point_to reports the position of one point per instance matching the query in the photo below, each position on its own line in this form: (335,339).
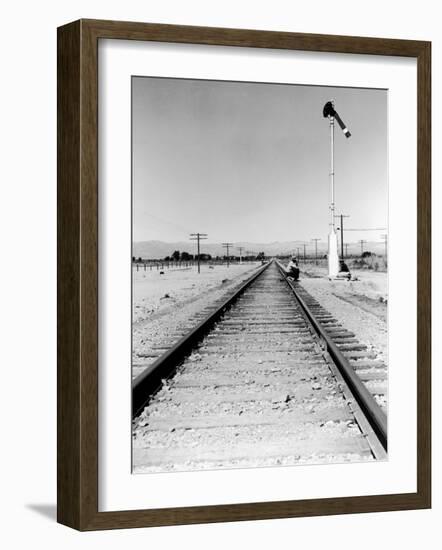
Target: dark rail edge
(146,384)
(375,415)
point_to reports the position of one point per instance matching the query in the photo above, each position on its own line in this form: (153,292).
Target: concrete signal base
(333,258)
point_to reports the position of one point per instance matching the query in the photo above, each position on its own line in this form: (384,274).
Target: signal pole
(342,216)
(316,250)
(333,261)
(227,246)
(362,242)
(198,237)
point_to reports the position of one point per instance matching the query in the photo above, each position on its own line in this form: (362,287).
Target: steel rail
(375,415)
(145,385)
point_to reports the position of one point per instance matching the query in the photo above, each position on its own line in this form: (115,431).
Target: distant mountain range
(151,250)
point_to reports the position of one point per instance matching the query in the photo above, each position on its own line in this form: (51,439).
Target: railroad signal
(227,246)
(330,113)
(198,237)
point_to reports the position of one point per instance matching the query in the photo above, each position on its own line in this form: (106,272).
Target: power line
(198,237)
(342,216)
(367,229)
(316,249)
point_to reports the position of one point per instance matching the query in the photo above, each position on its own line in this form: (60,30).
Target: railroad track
(258,383)
(367,364)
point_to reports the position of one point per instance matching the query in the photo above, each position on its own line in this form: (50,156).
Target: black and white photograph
(219,275)
(259,274)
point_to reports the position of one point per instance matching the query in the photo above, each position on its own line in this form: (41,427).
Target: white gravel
(360,305)
(165,306)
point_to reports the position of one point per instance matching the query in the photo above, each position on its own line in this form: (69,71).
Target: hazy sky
(250,162)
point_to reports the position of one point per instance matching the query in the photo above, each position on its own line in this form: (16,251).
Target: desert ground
(361,305)
(166,305)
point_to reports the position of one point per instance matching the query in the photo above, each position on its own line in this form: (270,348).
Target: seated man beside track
(344,272)
(292,269)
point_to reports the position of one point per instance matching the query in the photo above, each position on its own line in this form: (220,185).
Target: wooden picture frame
(78,274)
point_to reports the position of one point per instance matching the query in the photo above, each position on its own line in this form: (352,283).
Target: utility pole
(341,228)
(304,245)
(316,250)
(297,253)
(333,261)
(240,248)
(346,250)
(362,242)
(227,246)
(198,237)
